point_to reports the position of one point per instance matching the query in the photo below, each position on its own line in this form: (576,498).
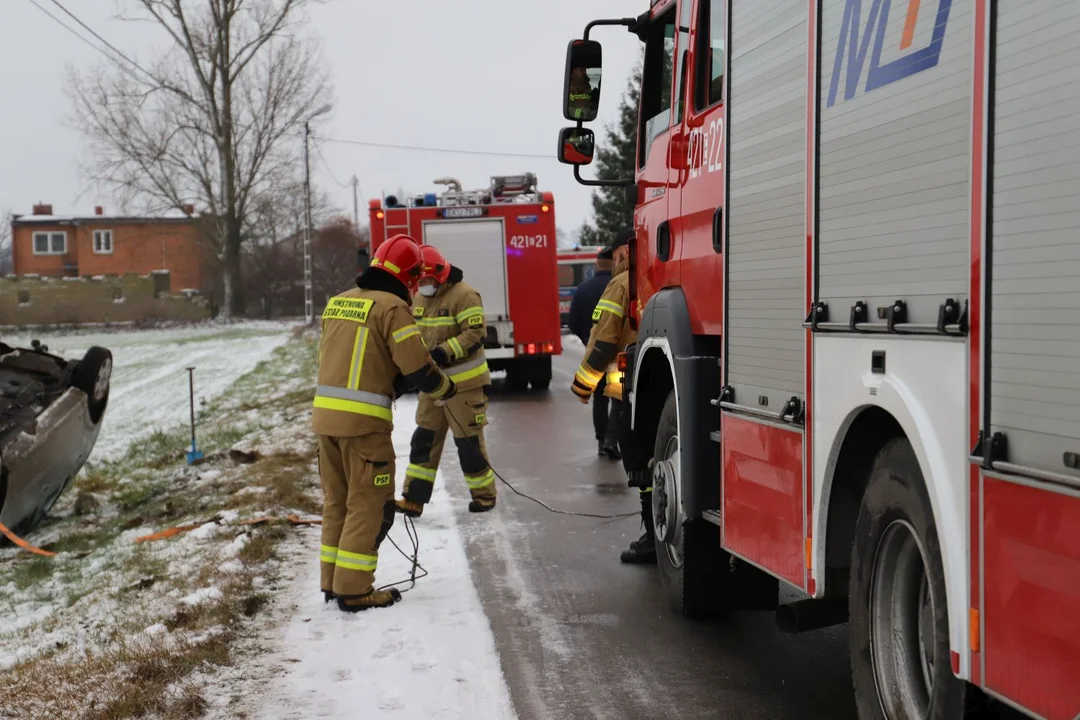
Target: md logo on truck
(855,39)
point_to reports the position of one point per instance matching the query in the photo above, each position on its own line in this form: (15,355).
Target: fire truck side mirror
(581,83)
(576,146)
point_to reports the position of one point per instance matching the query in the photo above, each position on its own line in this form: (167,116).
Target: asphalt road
(581,635)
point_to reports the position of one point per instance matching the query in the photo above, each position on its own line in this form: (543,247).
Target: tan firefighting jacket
(453,319)
(611,333)
(368,338)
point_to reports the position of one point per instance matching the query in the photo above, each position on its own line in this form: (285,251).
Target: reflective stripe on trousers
(359,402)
(348,560)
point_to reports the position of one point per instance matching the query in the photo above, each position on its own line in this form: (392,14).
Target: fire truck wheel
(899,621)
(516,379)
(685,550)
(540,373)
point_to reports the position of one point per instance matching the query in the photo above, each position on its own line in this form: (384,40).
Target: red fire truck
(575,267)
(856,285)
(503,239)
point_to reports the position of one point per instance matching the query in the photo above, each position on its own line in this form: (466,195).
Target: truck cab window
(656,81)
(709,84)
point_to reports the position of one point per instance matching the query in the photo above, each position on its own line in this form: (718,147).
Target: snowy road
(150,384)
(528,614)
(431,656)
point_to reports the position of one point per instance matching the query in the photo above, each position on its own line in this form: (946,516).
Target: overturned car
(50,415)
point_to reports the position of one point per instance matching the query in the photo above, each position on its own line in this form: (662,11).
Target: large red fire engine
(856,283)
(503,239)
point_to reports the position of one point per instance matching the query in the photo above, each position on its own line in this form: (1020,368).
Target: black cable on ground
(414,538)
(414,559)
(539,502)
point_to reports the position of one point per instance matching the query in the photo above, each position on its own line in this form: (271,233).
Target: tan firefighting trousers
(466,415)
(357,476)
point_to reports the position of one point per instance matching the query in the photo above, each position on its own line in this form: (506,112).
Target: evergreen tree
(615,161)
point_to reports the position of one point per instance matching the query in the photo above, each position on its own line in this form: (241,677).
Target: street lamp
(309,311)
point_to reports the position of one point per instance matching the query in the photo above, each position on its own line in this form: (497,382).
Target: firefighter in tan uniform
(451,318)
(611,333)
(369,345)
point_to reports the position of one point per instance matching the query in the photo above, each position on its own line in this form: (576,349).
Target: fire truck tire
(516,379)
(540,373)
(899,621)
(686,550)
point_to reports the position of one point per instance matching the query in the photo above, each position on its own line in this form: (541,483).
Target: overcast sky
(468,74)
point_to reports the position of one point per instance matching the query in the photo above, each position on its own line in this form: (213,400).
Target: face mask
(428,290)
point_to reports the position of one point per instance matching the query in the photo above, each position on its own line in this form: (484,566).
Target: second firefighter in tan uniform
(451,319)
(369,341)
(610,335)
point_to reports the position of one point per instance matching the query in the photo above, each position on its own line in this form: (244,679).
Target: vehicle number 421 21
(521,242)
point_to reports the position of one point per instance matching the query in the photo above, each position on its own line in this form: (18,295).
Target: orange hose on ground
(23,544)
(168,533)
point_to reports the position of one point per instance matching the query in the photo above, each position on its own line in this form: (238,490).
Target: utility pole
(309,308)
(356,203)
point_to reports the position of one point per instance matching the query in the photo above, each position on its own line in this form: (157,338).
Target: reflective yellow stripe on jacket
(348,400)
(603,306)
(467,370)
(405,333)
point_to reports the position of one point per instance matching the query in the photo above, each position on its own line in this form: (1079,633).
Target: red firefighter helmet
(435,265)
(400,256)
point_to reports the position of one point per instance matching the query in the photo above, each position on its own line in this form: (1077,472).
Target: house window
(50,243)
(103,242)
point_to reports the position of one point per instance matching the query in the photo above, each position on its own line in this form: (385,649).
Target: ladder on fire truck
(503,189)
(387,227)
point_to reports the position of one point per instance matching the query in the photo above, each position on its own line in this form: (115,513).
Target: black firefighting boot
(409,508)
(328,596)
(373,599)
(643,550)
(482,504)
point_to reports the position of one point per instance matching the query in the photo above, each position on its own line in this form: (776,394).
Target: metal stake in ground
(195,455)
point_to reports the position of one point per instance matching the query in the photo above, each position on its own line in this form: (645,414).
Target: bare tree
(273,254)
(214,121)
(6,248)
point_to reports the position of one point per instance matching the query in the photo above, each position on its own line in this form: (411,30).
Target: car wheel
(900,654)
(92,376)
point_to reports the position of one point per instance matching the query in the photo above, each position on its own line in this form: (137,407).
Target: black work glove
(440,357)
(450,392)
(401,385)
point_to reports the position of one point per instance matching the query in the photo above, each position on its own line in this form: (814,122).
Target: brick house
(71,246)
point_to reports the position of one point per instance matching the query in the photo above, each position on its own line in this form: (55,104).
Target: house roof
(99,219)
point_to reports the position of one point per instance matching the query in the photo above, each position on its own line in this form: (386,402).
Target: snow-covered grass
(149,388)
(111,627)
(430,656)
(226,620)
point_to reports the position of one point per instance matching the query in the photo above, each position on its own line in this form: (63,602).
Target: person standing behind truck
(582,307)
(369,341)
(610,336)
(451,319)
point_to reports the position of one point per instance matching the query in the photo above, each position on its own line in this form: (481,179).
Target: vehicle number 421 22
(521,242)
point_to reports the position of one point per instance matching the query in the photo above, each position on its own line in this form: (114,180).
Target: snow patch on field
(149,387)
(430,656)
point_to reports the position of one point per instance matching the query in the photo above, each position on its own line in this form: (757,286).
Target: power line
(326,166)
(457,151)
(103,40)
(82,37)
